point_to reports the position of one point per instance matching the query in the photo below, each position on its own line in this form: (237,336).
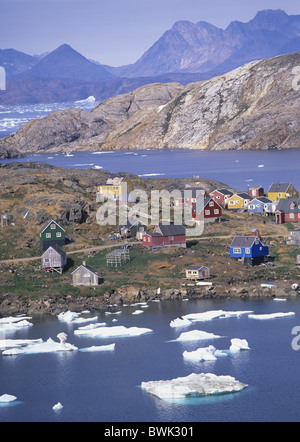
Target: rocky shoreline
(12,304)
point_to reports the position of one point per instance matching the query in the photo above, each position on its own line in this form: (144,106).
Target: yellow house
(197,272)
(238,201)
(282,190)
(117,188)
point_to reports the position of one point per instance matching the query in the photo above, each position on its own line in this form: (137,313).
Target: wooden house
(165,236)
(294,238)
(190,196)
(207,210)
(238,201)
(259,205)
(85,275)
(221,196)
(117,188)
(54,259)
(282,190)
(195,272)
(52,234)
(255,192)
(248,248)
(288,210)
(132,228)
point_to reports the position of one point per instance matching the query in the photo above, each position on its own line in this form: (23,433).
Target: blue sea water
(105,386)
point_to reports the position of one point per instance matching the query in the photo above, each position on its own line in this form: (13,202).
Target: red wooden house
(256,191)
(190,196)
(288,210)
(220,196)
(209,210)
(165,236)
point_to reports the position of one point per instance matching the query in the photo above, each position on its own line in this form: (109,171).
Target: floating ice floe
(12,326)
(197,335)
(110,347)
(73,318)
(272,316)
(178,322)
(113,313)
(57,406)
(194,385)
(108,332)
(5,398)
(48,346)
(211,353)
(280,299)
(214,314)
(138,312)
(13,343)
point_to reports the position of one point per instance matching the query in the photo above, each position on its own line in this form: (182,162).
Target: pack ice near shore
(194,385)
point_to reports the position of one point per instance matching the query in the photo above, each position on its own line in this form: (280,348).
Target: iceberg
(238,345)
(13,319)
(48,346)
(7,398)
(90,99)
(197,335)
(109,332)
(110,347)
(272,316)
(13,326)
(178,322)
(194,385)
(215,314)
(57,406)
(138,312)
(12,343)
(73,318)
(202,354)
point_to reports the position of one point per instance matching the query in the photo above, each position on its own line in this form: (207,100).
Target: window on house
(231,203)
(77,276)
(248,251)
(207,212)
(53,226)
(58,234)
(292,215)
(216,211)
(237,250)
(171,238)
(211,203)
(48,235)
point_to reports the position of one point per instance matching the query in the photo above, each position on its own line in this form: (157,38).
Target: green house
(51,234)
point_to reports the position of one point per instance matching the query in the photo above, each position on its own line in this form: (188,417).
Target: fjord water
(105,386)
(238,169)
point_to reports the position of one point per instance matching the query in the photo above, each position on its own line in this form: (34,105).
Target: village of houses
(280,204)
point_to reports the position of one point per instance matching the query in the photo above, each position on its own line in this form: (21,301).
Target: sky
(114,32)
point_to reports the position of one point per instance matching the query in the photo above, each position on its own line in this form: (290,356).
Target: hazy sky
(114,32)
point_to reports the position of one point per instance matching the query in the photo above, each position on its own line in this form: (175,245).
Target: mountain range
(252,107)
(186,53)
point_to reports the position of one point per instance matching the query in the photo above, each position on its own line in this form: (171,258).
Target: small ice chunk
(201,354)
(238,344)
(7,398)
(73,318)
(57,406)
(179,322)
(138,312)
(109,347)
(272,316)
(197,335)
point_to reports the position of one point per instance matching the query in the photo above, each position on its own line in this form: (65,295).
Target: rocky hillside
(252,107)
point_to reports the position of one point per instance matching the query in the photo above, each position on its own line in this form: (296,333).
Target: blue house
(259,205)
(250,249)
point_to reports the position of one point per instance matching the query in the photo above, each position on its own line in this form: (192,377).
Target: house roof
(48,223)
(86,267)
(171,230)
(57,249)
(200,207)
(262,199)
(115,181)
(193,267)
(244,195)
(243,241)
(224,191)
(279,187)
(284,205)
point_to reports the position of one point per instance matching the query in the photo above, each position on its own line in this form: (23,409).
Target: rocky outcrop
(252,107)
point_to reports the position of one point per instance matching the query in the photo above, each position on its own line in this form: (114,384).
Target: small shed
(54,259)
(85,275)
(195,272)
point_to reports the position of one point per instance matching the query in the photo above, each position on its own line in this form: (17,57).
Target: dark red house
(220,196)
(165,236)
(288,210)
(209,210)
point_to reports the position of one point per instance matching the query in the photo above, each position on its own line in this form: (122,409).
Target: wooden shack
(195,272)
(85,275)
(54,259)
(51,234)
